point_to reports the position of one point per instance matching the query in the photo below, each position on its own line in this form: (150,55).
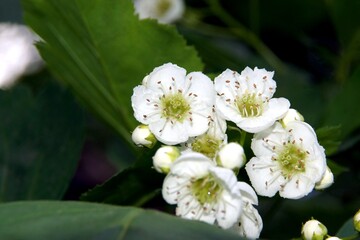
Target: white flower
(287,160)
(203,191)
(313,230)
(210,142)
(18,55)
(357,221)
(291,115)
(250,223)
(164,158)
(231,156)
(174,105)
(246,99)
(326,181)
(142,136)
(165,11)
(332,238)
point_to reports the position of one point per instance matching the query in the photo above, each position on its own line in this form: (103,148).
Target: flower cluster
(188,113)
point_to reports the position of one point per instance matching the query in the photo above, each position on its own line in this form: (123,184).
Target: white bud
(18,55)
(313,230)
(164,157)
(291,115)
(326,181)
(231,156)
(142,136)
(357,221)
(332,238)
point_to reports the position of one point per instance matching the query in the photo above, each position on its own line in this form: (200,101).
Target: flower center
(175,107)
(163,7)
(205,189)
(206,144)
(249,105)
(292,159)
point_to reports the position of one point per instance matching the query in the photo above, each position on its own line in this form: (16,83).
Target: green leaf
(347,230)
(329,138)
(133,186)
(102,50)
(41,139)
(336,168)
(342,109)
(77,220)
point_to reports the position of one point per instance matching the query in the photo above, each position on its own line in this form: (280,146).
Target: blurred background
(314,49)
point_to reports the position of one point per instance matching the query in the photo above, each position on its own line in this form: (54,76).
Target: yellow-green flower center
(291,159)
(206,189)
(163,7)
(175,107)
(249,105)
(206,144)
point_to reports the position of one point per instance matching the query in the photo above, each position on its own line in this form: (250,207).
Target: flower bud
(357,221)
(164,157)
(313,230)
(231,156)
(291,115)
(142,136)
(326,181)
(332,238)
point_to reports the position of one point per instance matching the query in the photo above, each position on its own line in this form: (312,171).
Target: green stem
(246,35)
(242,138)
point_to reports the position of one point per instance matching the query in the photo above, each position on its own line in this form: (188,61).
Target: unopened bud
(357,221)
(313,230)
(231,156)
(292,115)
(142,136)
(326,181)
(164,157)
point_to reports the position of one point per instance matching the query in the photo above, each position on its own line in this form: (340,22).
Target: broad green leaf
(133,186)
(343,108)
(329,138)
(348,230)
(102,50)
(336,168)
(77,220)
(41,139)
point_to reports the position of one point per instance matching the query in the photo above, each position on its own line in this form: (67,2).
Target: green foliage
(347,230)
(41,138)
(76,220)
(329,138)
(101,50)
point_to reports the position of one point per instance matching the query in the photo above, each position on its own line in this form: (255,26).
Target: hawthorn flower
(174,105)
(231,156)
(18,55)
(164,158)
(313,230)
(165,11)
(287,160)
(142,136)
(246,99)
(204,191)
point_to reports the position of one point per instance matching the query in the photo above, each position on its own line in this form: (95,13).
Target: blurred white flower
(357,221)
(174,105)
(18,55)
(246,99)
(165,11)
(203,191)
(142,136)
(326,181)
(332,238)
(292,115)
(231,156)
(313,230)
(164,158)
(287,160)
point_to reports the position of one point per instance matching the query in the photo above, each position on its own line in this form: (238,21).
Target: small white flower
(165,11)
(246,99)
(313,230)
(174,105)
(164,158)
(291,115)
(287,160)
(231,156)
(326,181)
(18,55)
(142,136)
(357,221)
(203,191)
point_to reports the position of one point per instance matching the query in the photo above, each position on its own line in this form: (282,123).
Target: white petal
(198,123)
(226,178)
(277,108)
(225,82)
(298,187)
(191,164)
(202,86)
(171,186)
(227,111)
(229,210)
(247,193)
(255,124)
(264,175)
(250,223)
(259,81)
